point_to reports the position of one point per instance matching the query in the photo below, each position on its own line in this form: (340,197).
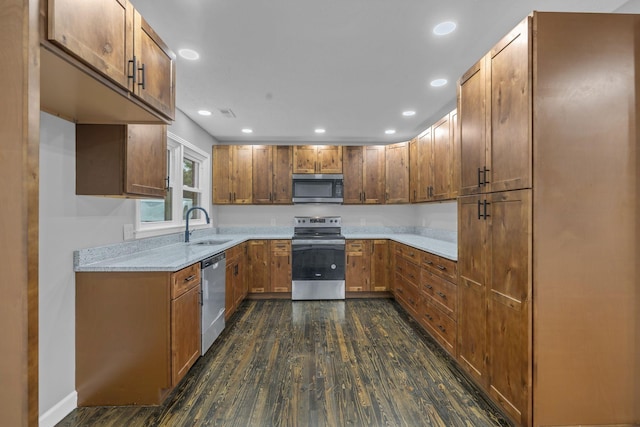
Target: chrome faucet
(187,233)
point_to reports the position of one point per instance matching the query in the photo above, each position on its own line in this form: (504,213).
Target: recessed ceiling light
(390,131)
(204,112)
(189,54)
(320,130)
(408,113)
(444,28)
(247,130)
(438,82)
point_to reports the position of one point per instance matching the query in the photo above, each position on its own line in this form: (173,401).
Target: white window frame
(179,148)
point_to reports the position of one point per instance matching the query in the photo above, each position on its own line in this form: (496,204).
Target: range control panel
(317,221)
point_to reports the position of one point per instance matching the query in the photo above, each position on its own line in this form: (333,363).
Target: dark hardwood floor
(359,362)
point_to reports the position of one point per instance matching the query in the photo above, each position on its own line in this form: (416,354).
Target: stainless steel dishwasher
(213,299)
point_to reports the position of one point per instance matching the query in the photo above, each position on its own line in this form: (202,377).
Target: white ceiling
(286,67)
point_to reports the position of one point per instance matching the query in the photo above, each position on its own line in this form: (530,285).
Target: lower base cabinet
(367,265)
(137,334)
(236,284)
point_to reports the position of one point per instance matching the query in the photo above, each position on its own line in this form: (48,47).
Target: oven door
(318,269)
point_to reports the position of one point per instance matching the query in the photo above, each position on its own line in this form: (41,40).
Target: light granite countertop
(173,256)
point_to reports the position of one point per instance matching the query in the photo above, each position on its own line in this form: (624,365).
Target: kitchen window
(187,186)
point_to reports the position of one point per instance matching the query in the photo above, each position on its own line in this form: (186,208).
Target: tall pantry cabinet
(548,220)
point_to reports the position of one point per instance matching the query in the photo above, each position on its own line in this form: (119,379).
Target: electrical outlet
(128,231)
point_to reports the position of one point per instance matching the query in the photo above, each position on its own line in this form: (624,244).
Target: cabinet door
(414,170)
(258,266)
(229,299)
(353,160)
(146,160)
(425,166)
(280,266)
(97,32)
(262,186)
(380,266)
(373,181)
(397,173)
(222,194)
(185,333)
(472,309)
(304,159)
(358,267)
(282,183)
(242,174)
(455,155)
(472,118)
(509,317)
(329,159)
(441,166)
(511,111)
(154,80)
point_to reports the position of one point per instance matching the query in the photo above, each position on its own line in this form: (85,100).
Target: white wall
(442,216)
(69,222)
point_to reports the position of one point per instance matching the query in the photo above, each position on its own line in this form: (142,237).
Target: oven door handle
(316,242)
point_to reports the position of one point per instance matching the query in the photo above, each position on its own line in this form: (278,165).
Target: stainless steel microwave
(317,188)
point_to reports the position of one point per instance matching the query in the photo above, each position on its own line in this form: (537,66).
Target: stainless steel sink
(210,242)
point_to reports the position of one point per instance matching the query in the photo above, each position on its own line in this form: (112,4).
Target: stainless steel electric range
(318,258)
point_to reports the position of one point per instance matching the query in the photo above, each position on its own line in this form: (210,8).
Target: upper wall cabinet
(364,168)
(232,174)
(102,63)
(494,103)
(397,173)
(121,160)
(317,159)
(272,174)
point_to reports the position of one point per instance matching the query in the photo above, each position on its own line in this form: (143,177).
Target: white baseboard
(60,410)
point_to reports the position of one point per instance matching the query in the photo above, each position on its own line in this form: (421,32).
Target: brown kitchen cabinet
(155,316)
(358,265)
(236,285)
(232,174)
(397,173)
(380,265)
(280,265)
(495,116)
(113,41)
(421,169)
(364,174)
(272,168)
(121,160)
(317,159)
(258,266)
(495,296)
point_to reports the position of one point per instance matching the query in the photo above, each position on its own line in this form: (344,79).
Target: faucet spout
(187,233)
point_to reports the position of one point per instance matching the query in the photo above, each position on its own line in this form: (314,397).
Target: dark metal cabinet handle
(479,177)
(441,267)
(428,316)
(442,295)
(485,209)
(485,181)
(442,328)
(479,208)
(167,181)
(134,68)
(428,286)
(143,79)
(190,278)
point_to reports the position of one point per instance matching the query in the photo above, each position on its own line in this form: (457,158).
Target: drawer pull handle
(190,278)
(442,328)
(442,295)
(430,262)
(428,316)
(441,267)
(428,286)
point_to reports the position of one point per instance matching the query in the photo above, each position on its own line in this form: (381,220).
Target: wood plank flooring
(359,362)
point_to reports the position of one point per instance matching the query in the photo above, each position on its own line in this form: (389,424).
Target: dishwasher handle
(212,260)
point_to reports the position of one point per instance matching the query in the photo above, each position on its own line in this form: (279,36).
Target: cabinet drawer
(409,271)
(409,253)
(407,295)
(441,326)
(444,294)
(185,279)
(355,246)
(441,266)
(280,246)
(234,252)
